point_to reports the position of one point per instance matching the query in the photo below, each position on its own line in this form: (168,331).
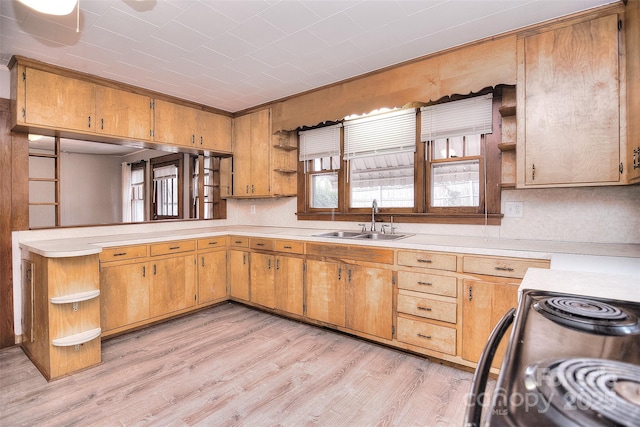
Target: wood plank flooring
(231,365)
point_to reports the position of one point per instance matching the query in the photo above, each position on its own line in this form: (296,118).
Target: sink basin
(379,236)
(340,234)
(361,236)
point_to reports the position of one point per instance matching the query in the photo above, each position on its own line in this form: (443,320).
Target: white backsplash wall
(582,214)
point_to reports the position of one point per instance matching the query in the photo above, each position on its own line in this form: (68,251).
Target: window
(206,202)
(450,172)
(166,201)
(137,191)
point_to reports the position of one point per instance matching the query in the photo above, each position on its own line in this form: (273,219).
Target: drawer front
(497,266)
(239,242)
(212,242)
(123,252)
(427,260)
(261,244)
(427,335)
(429,283)
(173,247)
(428,308)
(290,246)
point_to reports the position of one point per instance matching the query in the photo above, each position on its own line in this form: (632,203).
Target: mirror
(77,182)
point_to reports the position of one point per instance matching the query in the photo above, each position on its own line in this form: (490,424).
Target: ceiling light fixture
(58,7)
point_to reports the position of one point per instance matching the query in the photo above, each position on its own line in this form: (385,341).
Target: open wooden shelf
(507,110)
(507,146)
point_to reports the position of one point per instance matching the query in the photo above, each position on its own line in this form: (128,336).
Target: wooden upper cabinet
(251,154)
(55,101)
(569,105)
(122,113)
(178,124)
(50,100)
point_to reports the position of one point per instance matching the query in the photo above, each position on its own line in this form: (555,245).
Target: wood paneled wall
(456,71)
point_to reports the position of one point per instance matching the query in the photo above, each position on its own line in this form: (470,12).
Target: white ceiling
(235,54)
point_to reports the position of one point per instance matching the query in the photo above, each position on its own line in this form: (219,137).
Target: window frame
(171,159)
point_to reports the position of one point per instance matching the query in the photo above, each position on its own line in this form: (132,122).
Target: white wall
(586,214)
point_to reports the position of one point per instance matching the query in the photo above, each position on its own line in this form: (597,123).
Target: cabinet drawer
(429,283)
(497,266)
(290,246)
(428,308)
(261,244)
(427,335)
(239,242)
(173,247)
(427,260)
(212,242)
(123,252)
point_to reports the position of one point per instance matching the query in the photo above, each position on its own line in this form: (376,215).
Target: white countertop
(69,247)
(589,284)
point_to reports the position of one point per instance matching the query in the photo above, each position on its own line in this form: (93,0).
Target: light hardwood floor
(231,365)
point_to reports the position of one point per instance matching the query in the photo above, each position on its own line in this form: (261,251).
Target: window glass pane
(456,184)
(455,147)
(472,145)
(324,190)
(165,183)
(386,178)
(440,149)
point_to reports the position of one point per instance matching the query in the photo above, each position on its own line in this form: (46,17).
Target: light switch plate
(513,209)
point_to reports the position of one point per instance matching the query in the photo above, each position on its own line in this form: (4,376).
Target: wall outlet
(513,209)
(253,209)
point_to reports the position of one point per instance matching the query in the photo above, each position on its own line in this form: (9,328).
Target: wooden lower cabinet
(325,298)
(263,279)
(125,294)
(427,335)
(369,300)
(289,284)
(173,284)
(483,305)
(212,276)
(238,277)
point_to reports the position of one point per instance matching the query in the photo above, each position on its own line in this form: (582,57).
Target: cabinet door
(262,279)
(369,301)
(483,305)
(289,285)
(122,113)
(325,292)
(174,124)
(212,276)
(173,284)
(124,295)
(260,150)
(572,104)
(242,156)
(239,274)
(58,101)
(214,132)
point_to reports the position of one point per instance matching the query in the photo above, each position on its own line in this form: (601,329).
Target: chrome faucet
(374,211)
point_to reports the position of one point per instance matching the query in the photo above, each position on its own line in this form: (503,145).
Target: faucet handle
(393,229)
(364,228)
(382,228)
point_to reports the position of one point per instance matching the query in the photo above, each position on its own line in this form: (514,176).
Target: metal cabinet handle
(470,293)
(173,248)
(533,172)
(144,271)
(203,261)
(277,264)
(504,268)
(154,269)
(428,337)
(120,254)
(428,261)
(213,243)
(269,263)
(259,244)
(288,247)
(89,122)
(339,273)
(423,308)
(102,124)
(425,283)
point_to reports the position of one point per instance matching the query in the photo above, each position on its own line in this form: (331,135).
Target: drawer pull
(237,242)
(425,283)
(259,244)
(213,243)
(428,337)
(428,261)
(173,248)
(423,308)
(504,268)
(120,254)
(288,247)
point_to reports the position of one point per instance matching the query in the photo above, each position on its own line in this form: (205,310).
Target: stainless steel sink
(355,235)
(340,234)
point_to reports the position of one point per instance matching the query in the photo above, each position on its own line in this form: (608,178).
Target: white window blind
(321,142)
(469,116)
(388,133)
